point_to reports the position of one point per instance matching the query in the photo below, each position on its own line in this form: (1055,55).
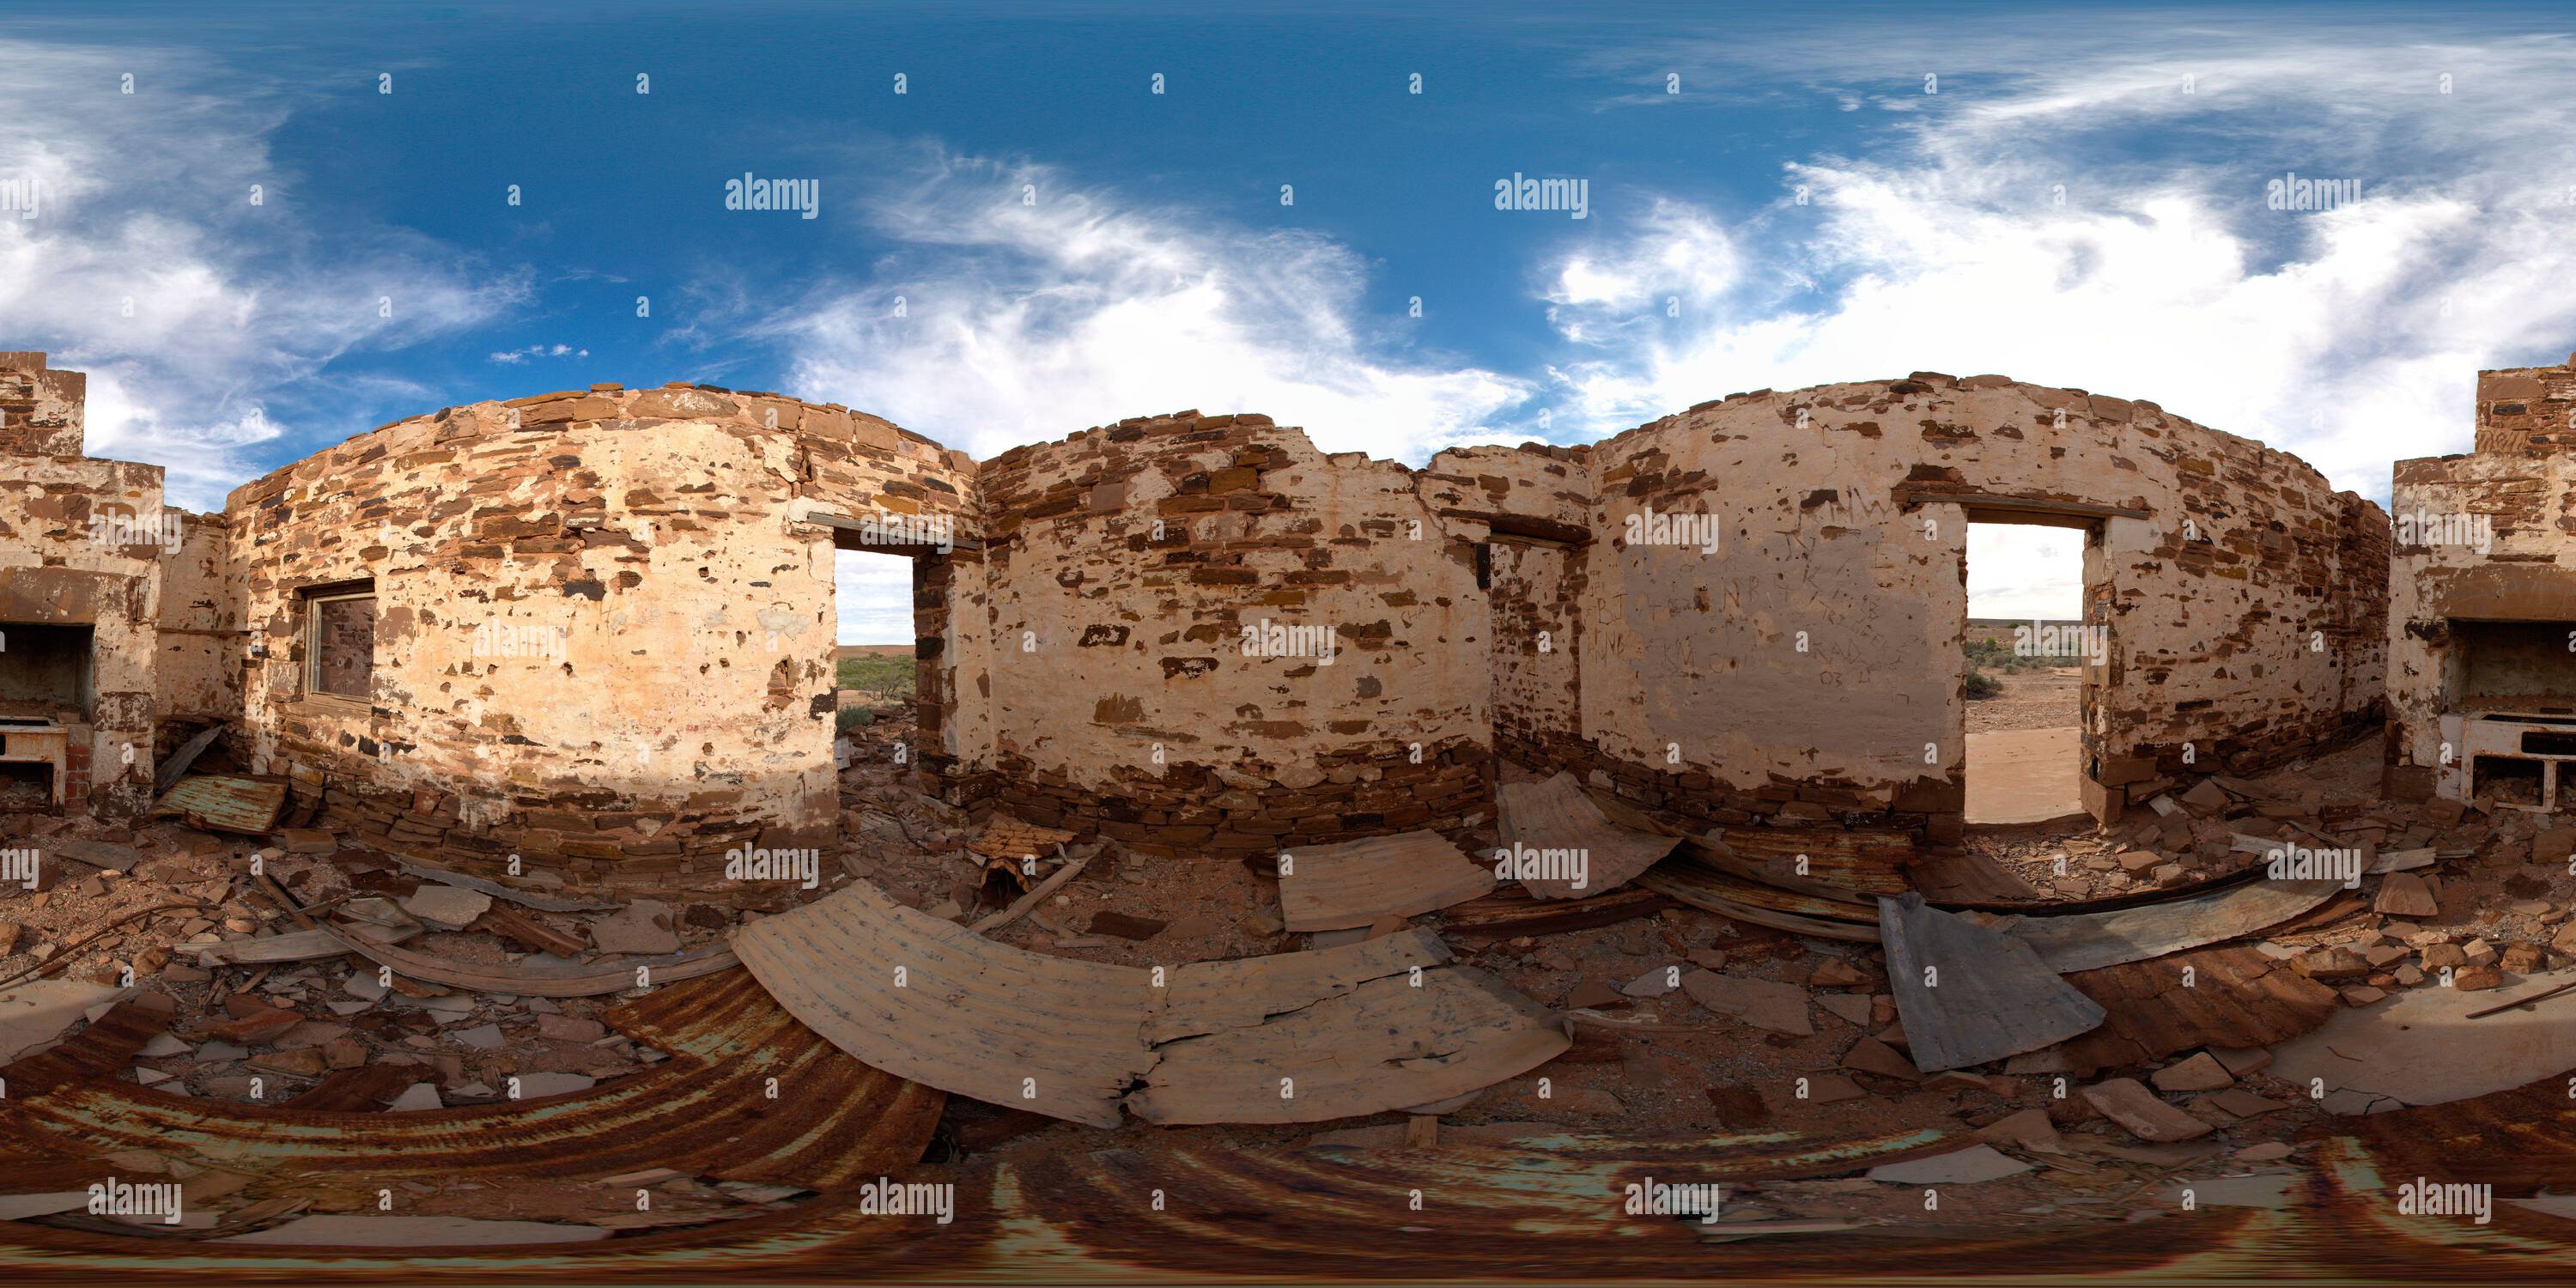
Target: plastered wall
(1126,564)
(1814,653)
(2485,537)
(66,560)
(604,630)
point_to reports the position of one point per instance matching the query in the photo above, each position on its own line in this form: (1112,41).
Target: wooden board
(1365,1028)
(1339,887)
(1556,815)
(225,803)
(1968,995)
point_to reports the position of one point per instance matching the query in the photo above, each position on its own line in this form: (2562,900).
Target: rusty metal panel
(705,1111)
(221,803)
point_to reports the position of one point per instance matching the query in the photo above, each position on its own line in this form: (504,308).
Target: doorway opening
(2032,647)
(877,642)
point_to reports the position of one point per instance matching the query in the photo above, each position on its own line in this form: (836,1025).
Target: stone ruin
(590,634)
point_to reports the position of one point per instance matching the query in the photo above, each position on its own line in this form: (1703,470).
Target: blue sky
(2064,196)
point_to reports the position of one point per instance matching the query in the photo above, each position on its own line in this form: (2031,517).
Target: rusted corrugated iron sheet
(596,979)
(1546,1211)
(1870,861)
(706,1111)
(1511,911)
(224,803)
(1761,905)
(2238,998)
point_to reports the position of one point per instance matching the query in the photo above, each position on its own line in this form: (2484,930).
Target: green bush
(887,676)
(1982,685)
(853,718)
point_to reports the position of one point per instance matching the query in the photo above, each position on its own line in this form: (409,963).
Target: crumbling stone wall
(2527,408)
(1532,507)
(1815,655)
(59,568)
(199,671)
(1125,564)
(42,410)
(604,624)
(2516,497)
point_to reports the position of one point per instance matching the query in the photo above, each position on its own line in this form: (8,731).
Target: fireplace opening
(26,788)
(2506,780)
(2523,667)
(45,672)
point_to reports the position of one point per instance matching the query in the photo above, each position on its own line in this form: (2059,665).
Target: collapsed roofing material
(705,1111)
(594,980)
(1295,1037)
(1556,817)
(2089,941)
(2221,997)
(1867,860)
(225,803)
(1681,877)
(1968,995)
(2420,1047)
(1338,887)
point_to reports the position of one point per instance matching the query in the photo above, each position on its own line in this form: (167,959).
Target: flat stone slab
(446,907)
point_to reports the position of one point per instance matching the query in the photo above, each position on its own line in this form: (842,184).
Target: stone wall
(74,553)
(41,409)
(2522,408)
(604,624)
(2486,537)
(1815,654)
(1125,565)
(199,673)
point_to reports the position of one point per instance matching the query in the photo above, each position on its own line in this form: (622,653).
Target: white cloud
(1026,322)
(516,357)
(191,309)
(2351,337)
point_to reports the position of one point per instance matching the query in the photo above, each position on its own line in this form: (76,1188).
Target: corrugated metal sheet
(1556,814)
(1340,887)
(705,1111)
(220,803)
(1354,1029)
